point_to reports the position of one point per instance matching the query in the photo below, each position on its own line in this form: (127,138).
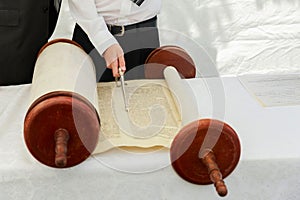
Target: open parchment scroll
(157,111)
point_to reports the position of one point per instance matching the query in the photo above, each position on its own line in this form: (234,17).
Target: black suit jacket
(24,28)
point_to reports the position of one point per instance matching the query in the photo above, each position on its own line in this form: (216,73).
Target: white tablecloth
(268,169)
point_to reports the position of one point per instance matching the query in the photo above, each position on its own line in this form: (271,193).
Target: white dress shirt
(94,15)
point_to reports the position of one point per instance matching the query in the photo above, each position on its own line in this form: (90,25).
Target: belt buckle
(122,31)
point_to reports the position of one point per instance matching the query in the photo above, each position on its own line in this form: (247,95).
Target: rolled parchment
(62,124)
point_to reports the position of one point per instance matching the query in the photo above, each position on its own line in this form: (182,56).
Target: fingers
(115,68)
(116,64)
(121,60)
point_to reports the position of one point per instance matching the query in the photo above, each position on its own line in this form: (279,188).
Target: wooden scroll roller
(206,151)
(165,56)
(61,126)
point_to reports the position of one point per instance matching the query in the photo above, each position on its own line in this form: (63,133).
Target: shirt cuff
(102,43)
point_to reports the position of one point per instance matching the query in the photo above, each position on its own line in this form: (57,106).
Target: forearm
(85,14)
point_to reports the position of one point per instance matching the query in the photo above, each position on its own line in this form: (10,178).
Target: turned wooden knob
(205,152)
(214,173)
(61,138)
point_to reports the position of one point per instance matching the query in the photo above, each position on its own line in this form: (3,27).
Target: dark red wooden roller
(169,55)
(61,129)
(206,151)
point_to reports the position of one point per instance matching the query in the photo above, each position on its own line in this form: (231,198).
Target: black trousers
(136,43)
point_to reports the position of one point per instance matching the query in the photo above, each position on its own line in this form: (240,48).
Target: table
(268,168)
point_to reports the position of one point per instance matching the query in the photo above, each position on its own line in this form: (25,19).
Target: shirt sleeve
(85,14)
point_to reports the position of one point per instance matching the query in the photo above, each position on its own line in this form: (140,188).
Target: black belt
(120,30)
(138,2)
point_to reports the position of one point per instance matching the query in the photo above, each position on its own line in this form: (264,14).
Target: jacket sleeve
(85,14)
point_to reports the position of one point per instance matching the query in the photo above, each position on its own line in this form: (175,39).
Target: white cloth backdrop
(234,36)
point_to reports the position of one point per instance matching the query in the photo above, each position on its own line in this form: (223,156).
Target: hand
(114,58)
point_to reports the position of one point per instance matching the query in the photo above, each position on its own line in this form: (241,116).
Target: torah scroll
(67,106)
